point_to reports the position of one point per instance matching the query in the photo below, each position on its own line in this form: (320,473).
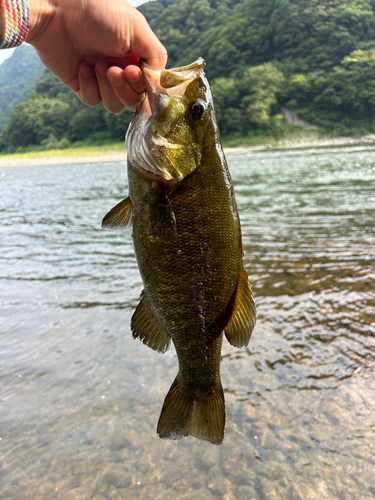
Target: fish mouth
(144,141)
(171,82)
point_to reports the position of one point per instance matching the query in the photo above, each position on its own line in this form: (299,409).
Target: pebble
(217,483)
(268,439)
(210,458)
(246,493)
(276,470)
(230,455)
(323,490)
(201,494)
(76,494)
(302,492)
(118,494)
(229,496)
(271,489)
(115,475)
(248,450)
(119,443)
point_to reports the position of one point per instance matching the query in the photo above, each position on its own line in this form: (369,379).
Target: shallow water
(79,399)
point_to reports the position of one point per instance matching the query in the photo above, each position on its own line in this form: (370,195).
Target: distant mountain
(18,76)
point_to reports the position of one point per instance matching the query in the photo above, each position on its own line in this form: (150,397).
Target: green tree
(350,88)
(263,83)
(85,122)
(230,117)
(117,125)
(301,90)
(50,86)
(306,35)
(18,76)
(35,120)
(151,10)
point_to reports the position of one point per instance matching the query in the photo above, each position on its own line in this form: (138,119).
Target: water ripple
(74,384)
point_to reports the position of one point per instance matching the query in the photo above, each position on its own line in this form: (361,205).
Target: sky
(4,54)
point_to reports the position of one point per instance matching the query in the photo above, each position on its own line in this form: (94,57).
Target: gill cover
(164,140)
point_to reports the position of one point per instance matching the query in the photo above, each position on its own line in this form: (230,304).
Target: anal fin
(242,321)
(145,327)
(119,217)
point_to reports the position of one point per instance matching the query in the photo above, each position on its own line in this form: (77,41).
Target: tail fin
(189,413)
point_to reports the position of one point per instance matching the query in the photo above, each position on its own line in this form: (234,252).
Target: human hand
(93,47)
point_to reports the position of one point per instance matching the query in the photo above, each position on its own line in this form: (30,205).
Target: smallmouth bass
(187,241)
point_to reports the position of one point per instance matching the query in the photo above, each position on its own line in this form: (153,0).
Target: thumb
(146,45)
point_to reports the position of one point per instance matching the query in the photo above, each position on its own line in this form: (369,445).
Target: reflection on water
(79,399)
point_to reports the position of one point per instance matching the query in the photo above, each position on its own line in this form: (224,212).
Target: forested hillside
(18,76)
(316,57)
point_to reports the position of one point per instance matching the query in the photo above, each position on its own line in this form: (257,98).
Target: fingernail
(85,70)
(135,78)
(116,79)
(101,68)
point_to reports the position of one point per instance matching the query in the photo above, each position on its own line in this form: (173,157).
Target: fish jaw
(161,142)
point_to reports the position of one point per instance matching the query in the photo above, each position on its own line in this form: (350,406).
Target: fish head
(166,137)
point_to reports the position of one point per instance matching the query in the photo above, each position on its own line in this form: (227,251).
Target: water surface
(80,400)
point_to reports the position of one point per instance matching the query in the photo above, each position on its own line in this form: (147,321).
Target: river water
(80,399)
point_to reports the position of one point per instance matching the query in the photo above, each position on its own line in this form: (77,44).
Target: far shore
(61,157)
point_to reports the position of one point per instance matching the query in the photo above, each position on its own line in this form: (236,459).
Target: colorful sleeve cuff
(14,22)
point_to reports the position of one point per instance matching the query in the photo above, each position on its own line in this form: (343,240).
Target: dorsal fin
(242,321)
(146,328)
(120,216)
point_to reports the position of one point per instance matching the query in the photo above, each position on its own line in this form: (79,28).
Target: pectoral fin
(146,328)
(164,219)
(161,213)
(242,321)
(120,216)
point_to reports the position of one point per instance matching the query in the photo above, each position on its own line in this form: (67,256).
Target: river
(80,399)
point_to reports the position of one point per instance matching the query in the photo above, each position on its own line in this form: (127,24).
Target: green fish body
(187,241)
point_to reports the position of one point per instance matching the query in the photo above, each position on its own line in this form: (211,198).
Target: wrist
(41,12)
(14,22)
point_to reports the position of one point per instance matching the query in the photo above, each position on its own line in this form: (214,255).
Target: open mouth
(169,82)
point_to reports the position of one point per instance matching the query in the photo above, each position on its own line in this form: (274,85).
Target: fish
(187,241)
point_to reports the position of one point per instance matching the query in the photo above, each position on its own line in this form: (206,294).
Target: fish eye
(197,108)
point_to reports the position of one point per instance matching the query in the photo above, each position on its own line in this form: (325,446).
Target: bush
(51,142)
